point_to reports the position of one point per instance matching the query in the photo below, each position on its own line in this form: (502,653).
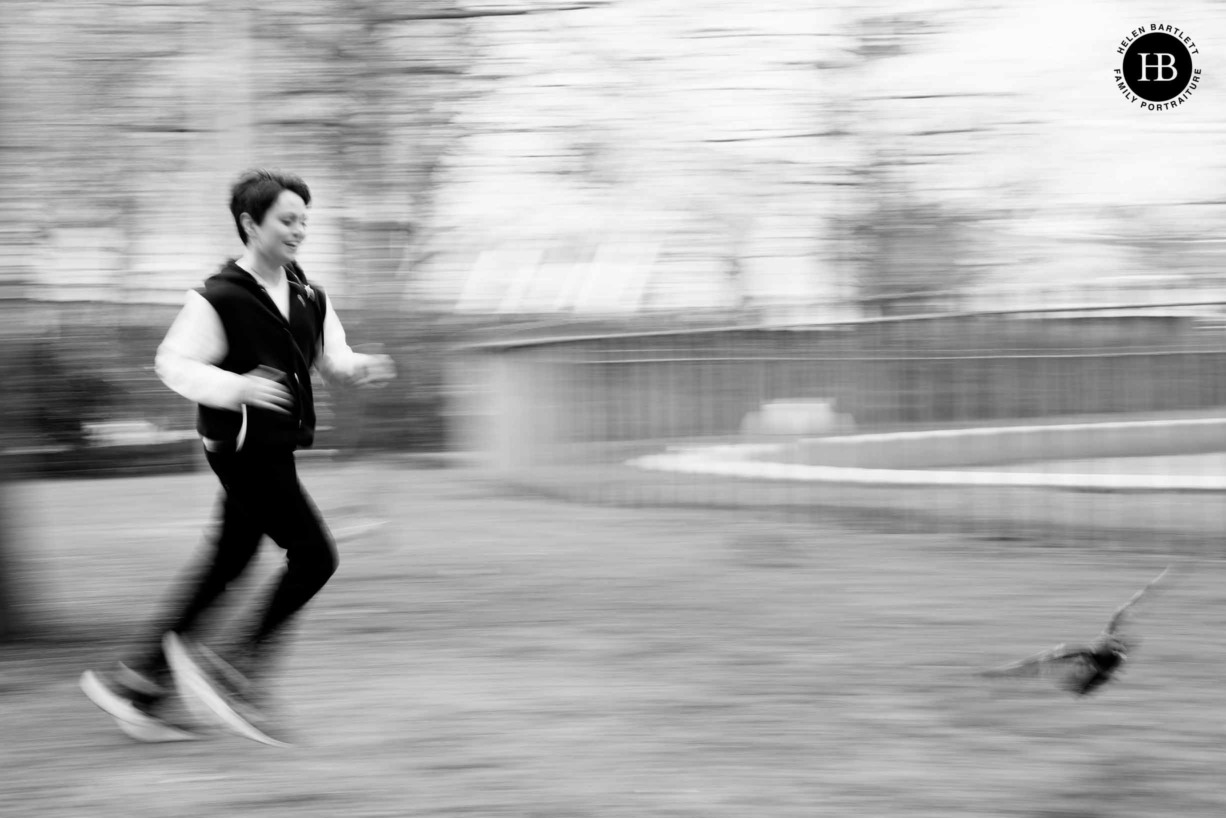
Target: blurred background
(617,222)
(592,232)
(856,280)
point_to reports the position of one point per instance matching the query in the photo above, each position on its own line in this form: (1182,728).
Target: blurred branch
(467,14)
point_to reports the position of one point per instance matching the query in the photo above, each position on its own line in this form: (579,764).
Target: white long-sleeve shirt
(188,356)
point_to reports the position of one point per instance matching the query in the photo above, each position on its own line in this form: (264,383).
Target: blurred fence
(1119,409)
(597,417)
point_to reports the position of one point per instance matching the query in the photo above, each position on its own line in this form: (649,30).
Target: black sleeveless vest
(257,334)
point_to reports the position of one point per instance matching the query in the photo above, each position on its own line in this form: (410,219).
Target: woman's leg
(236,543)
(289,517)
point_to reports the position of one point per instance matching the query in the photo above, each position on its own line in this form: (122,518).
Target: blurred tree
(903,251)
(906,254)
(363,93)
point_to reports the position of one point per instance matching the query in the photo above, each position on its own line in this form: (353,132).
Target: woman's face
(284,228)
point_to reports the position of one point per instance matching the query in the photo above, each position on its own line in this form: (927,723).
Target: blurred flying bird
(1080,670)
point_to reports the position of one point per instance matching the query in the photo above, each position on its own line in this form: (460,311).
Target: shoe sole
(194,684)
(131,721)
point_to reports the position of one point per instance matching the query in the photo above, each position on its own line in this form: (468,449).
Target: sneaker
(137,703)
(238,681)
(220,690)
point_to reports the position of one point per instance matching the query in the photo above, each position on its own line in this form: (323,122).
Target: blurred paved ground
(494,655)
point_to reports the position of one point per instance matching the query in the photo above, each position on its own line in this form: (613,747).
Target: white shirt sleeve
(335,360)
(188,356)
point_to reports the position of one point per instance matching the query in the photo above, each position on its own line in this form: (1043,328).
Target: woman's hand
(260,391)
(374,370)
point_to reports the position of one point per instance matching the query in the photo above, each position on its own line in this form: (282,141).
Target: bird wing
(1067,668)
(1040,664)
(1118,616)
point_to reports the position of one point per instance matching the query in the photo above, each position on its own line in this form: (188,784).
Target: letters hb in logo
(1164,62)
(1157,66)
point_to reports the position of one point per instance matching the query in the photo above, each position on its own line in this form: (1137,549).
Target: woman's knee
(317,564)
(329,561)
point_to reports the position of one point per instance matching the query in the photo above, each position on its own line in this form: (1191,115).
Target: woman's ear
(248,223)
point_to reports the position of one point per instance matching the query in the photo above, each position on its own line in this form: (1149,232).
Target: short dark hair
(256,191)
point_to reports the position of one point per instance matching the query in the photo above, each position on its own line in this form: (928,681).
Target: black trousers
(261,495)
